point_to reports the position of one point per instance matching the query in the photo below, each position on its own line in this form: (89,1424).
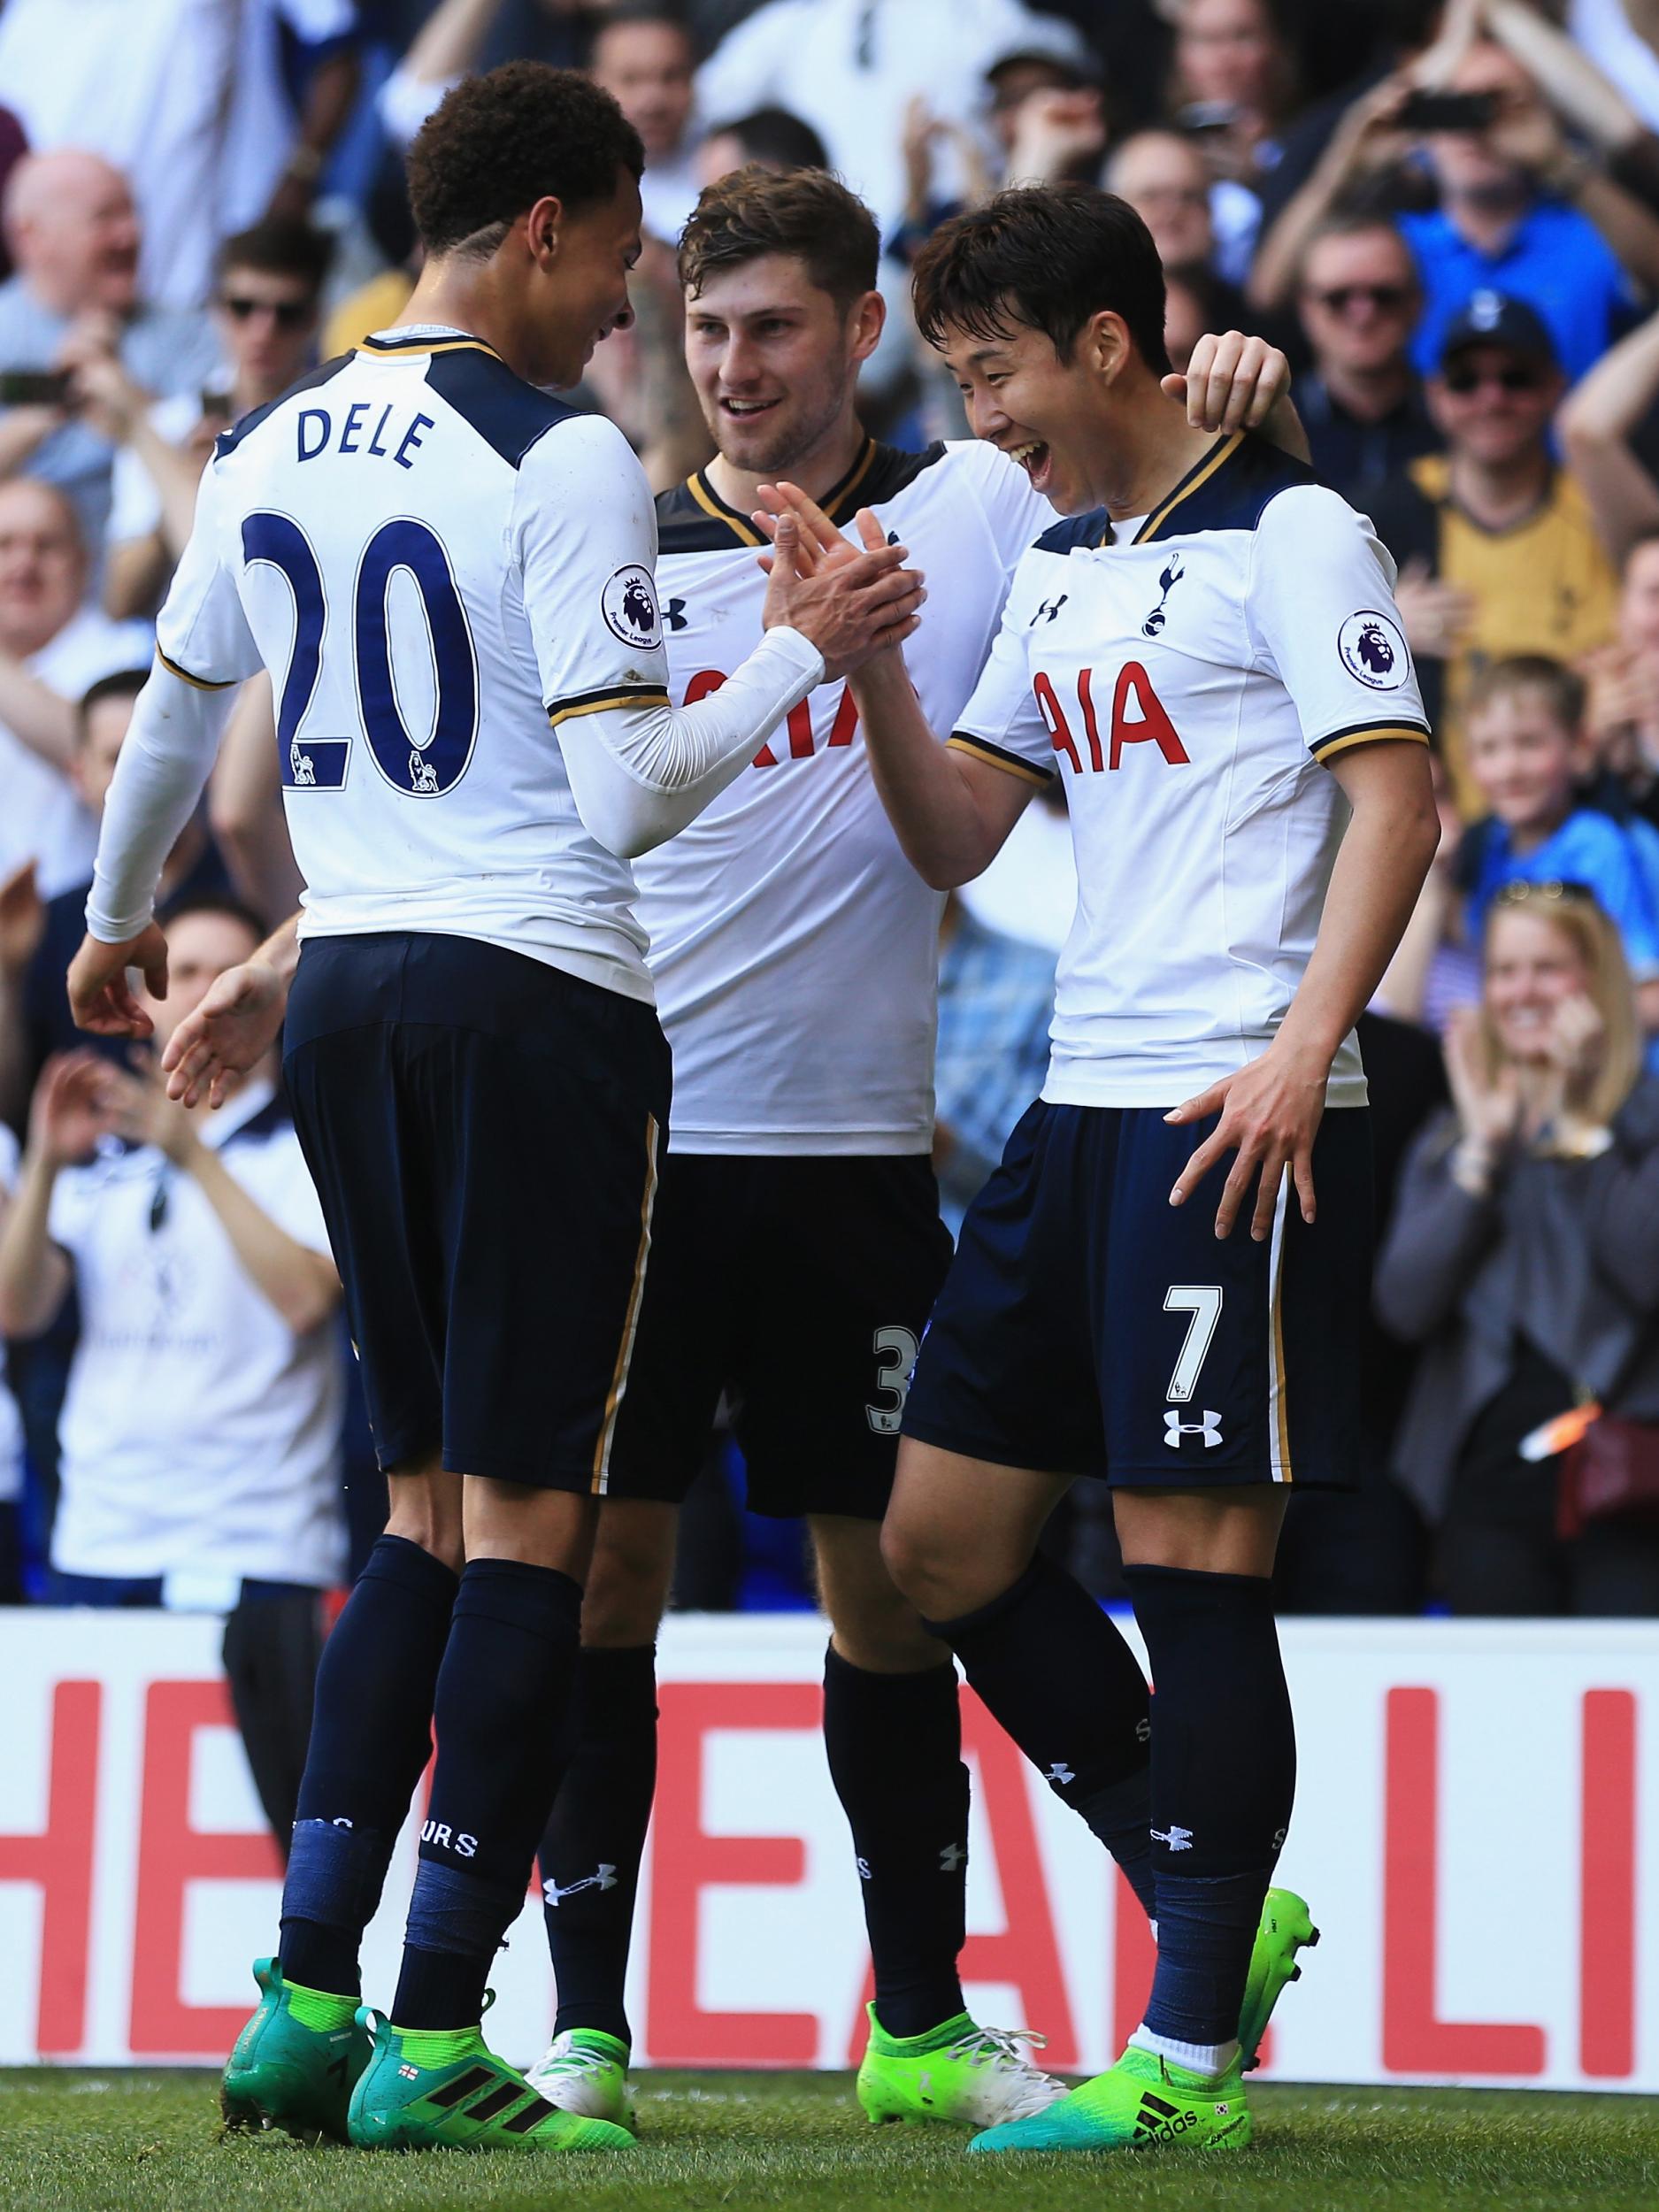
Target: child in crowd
(1524,745)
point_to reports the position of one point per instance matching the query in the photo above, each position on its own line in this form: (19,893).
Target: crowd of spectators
(1447,212)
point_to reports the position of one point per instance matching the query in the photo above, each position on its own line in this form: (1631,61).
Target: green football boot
(1144,2099)
(425,2088)
(585,2071)
(1285,1928)
(296,2062)
(975,2077)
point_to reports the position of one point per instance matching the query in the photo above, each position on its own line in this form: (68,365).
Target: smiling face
(1045,410)
(1494,405)
(577,281)
(1521,757)
(1531,967)
(43,569)
(775,360)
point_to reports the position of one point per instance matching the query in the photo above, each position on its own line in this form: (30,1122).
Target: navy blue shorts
(483,1130)
(800,1287)
(1088,1327)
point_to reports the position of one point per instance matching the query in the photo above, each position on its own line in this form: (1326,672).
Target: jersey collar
(425,338)
(837,503)
(1202,469)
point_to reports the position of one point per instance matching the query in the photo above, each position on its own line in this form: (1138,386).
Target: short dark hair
(125,683)
(499,142)
(1565,690)
(806,213)
(776,138)
(1357,222)
(279,248)
(1047,257)
(625,14)
(225,904)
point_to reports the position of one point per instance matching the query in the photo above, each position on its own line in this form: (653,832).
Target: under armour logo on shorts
(1175,1428)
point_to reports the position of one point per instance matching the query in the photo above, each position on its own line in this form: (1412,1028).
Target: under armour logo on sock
(605,1879)
(951,1857)
(1175,1428)
(1060,1772)
(1178,1839)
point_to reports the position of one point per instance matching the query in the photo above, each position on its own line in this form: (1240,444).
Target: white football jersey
(1190,675)
(434,559)
(793,946)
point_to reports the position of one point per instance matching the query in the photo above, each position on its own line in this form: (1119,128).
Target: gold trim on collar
(715,507)
(842,494)
(1199,475)
(384,350)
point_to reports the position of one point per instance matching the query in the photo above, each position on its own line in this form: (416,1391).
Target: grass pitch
(122,2142)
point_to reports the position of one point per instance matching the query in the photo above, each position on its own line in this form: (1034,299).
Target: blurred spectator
(1522,213)
(52,646)
(13,146)
(1360,403)
(1523,729)
(10,1423)
(200,1435)
(191,99)
(265,312)
(194,870)
(1235,76)
(1166,179)
(642,56)
(1521,210)
(996,998)
(1497,547)
(850,68)
(70,221)
(1622,716)
(1600,424)
(1523,1257)
(1049,125)
(771,138)
(1195,300)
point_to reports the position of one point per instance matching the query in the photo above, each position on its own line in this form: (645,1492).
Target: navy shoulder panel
(1229,489)
(891,470)
(504,411)
(229,440)
(1077,533)
(683,525)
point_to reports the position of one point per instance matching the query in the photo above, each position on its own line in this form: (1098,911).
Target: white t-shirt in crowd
(200,1436)
(135,505)
(468,559)
(41,818)
(11,1419)
(1191,673)
(792,947)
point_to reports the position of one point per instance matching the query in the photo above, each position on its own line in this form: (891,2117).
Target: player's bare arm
(1272,1109)
(236,1024)
(950,812)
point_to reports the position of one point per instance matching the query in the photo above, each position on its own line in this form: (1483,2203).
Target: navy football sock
(371,1735)
(1224,1778)
(595,1837)
(499,1713)
(1054,1669)
(894,1747)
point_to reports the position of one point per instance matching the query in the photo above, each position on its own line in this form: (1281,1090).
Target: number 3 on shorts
(897,1348)
(1202,1300)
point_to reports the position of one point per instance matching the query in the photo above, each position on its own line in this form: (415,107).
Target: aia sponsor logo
(1137,716)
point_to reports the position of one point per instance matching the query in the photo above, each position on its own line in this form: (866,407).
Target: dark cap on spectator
(1493,318)
(1057,44)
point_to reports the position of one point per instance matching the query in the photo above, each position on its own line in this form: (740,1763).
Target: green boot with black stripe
(425,2088)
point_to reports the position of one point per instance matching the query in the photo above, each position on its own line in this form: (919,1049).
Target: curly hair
(499,142)
(1045,259)
(806,213)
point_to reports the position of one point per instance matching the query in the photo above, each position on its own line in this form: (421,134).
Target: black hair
(125,683)
(777,139)
(279,248)
(624,13)
(500,141)
(1044,258)
(225,904)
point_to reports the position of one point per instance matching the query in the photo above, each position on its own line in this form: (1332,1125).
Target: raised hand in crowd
(1435,615)
(69,1111)
(1058,135)
(1487,1100)
(140,1110)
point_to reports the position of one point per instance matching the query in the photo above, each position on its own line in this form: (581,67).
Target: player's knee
(628,1579)
(877,1627)
(920,1564)
(425,1508)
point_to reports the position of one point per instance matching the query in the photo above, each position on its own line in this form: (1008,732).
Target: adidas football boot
(585,2071)
(1143,2100)
(424,2088)
(296,2062)
(1285,1928)
(975,2077)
